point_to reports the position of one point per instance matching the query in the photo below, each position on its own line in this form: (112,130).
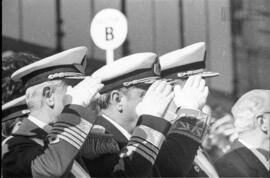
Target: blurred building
(236,32)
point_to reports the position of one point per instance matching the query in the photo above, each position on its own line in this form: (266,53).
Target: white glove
(84,92)
(156,99)
(193,95)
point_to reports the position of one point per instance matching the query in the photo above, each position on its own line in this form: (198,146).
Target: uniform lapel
(29,129)
(110,128)
(251,160)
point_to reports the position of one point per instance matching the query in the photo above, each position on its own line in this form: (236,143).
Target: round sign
(109,29)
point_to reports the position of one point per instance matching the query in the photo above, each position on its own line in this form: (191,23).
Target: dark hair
(11,63)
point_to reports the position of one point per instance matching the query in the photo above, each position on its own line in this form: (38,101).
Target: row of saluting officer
(60,137)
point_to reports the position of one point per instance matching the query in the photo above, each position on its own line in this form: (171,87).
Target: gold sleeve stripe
(145,143)
(74,128)
(67,135)
(69,131)
(131,148)
(76,145)
(83,126)
(150,135)
(143,148)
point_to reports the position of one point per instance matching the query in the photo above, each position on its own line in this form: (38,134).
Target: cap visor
(72,81)
(209,74)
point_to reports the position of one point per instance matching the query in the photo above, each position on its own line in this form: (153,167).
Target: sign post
(108,31)
(109,56)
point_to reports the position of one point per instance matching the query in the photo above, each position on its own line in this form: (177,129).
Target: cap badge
(147,80)
(156,67)
(189,73)
(26,111)
(63,75)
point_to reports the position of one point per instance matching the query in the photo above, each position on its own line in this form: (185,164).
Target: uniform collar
(30,129)
(38,122)
(259,155)
(204,163)
(118,126)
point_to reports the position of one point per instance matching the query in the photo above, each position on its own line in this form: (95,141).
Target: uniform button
(196,168)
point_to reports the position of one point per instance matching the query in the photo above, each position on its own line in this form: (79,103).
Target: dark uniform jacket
(103,165)
(31,152)
(202,166)
(240,162)
(175,156)
(182,142)
(143,145)
(55,158)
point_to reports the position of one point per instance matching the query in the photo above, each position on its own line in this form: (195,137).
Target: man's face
(58,95)
(133,96)
(266,118)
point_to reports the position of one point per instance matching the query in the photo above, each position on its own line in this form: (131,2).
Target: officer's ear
(16,126)
(117,100)
(48,96)
(261,121)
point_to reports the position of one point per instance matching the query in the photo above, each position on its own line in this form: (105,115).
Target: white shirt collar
(39,123)
(118,126)
(259,155)
(205,164)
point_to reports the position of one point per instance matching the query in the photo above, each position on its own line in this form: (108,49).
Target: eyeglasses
(262,114)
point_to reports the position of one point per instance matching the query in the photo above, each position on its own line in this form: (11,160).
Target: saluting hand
(84,92)
(223,132)
(156,100)
(193,95)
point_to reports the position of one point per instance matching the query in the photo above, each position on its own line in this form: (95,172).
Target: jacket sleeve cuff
(191,123)
(72,126)
(155,123)
(148,137)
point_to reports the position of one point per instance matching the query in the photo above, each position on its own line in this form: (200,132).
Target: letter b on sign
(109,29)
(109,33)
